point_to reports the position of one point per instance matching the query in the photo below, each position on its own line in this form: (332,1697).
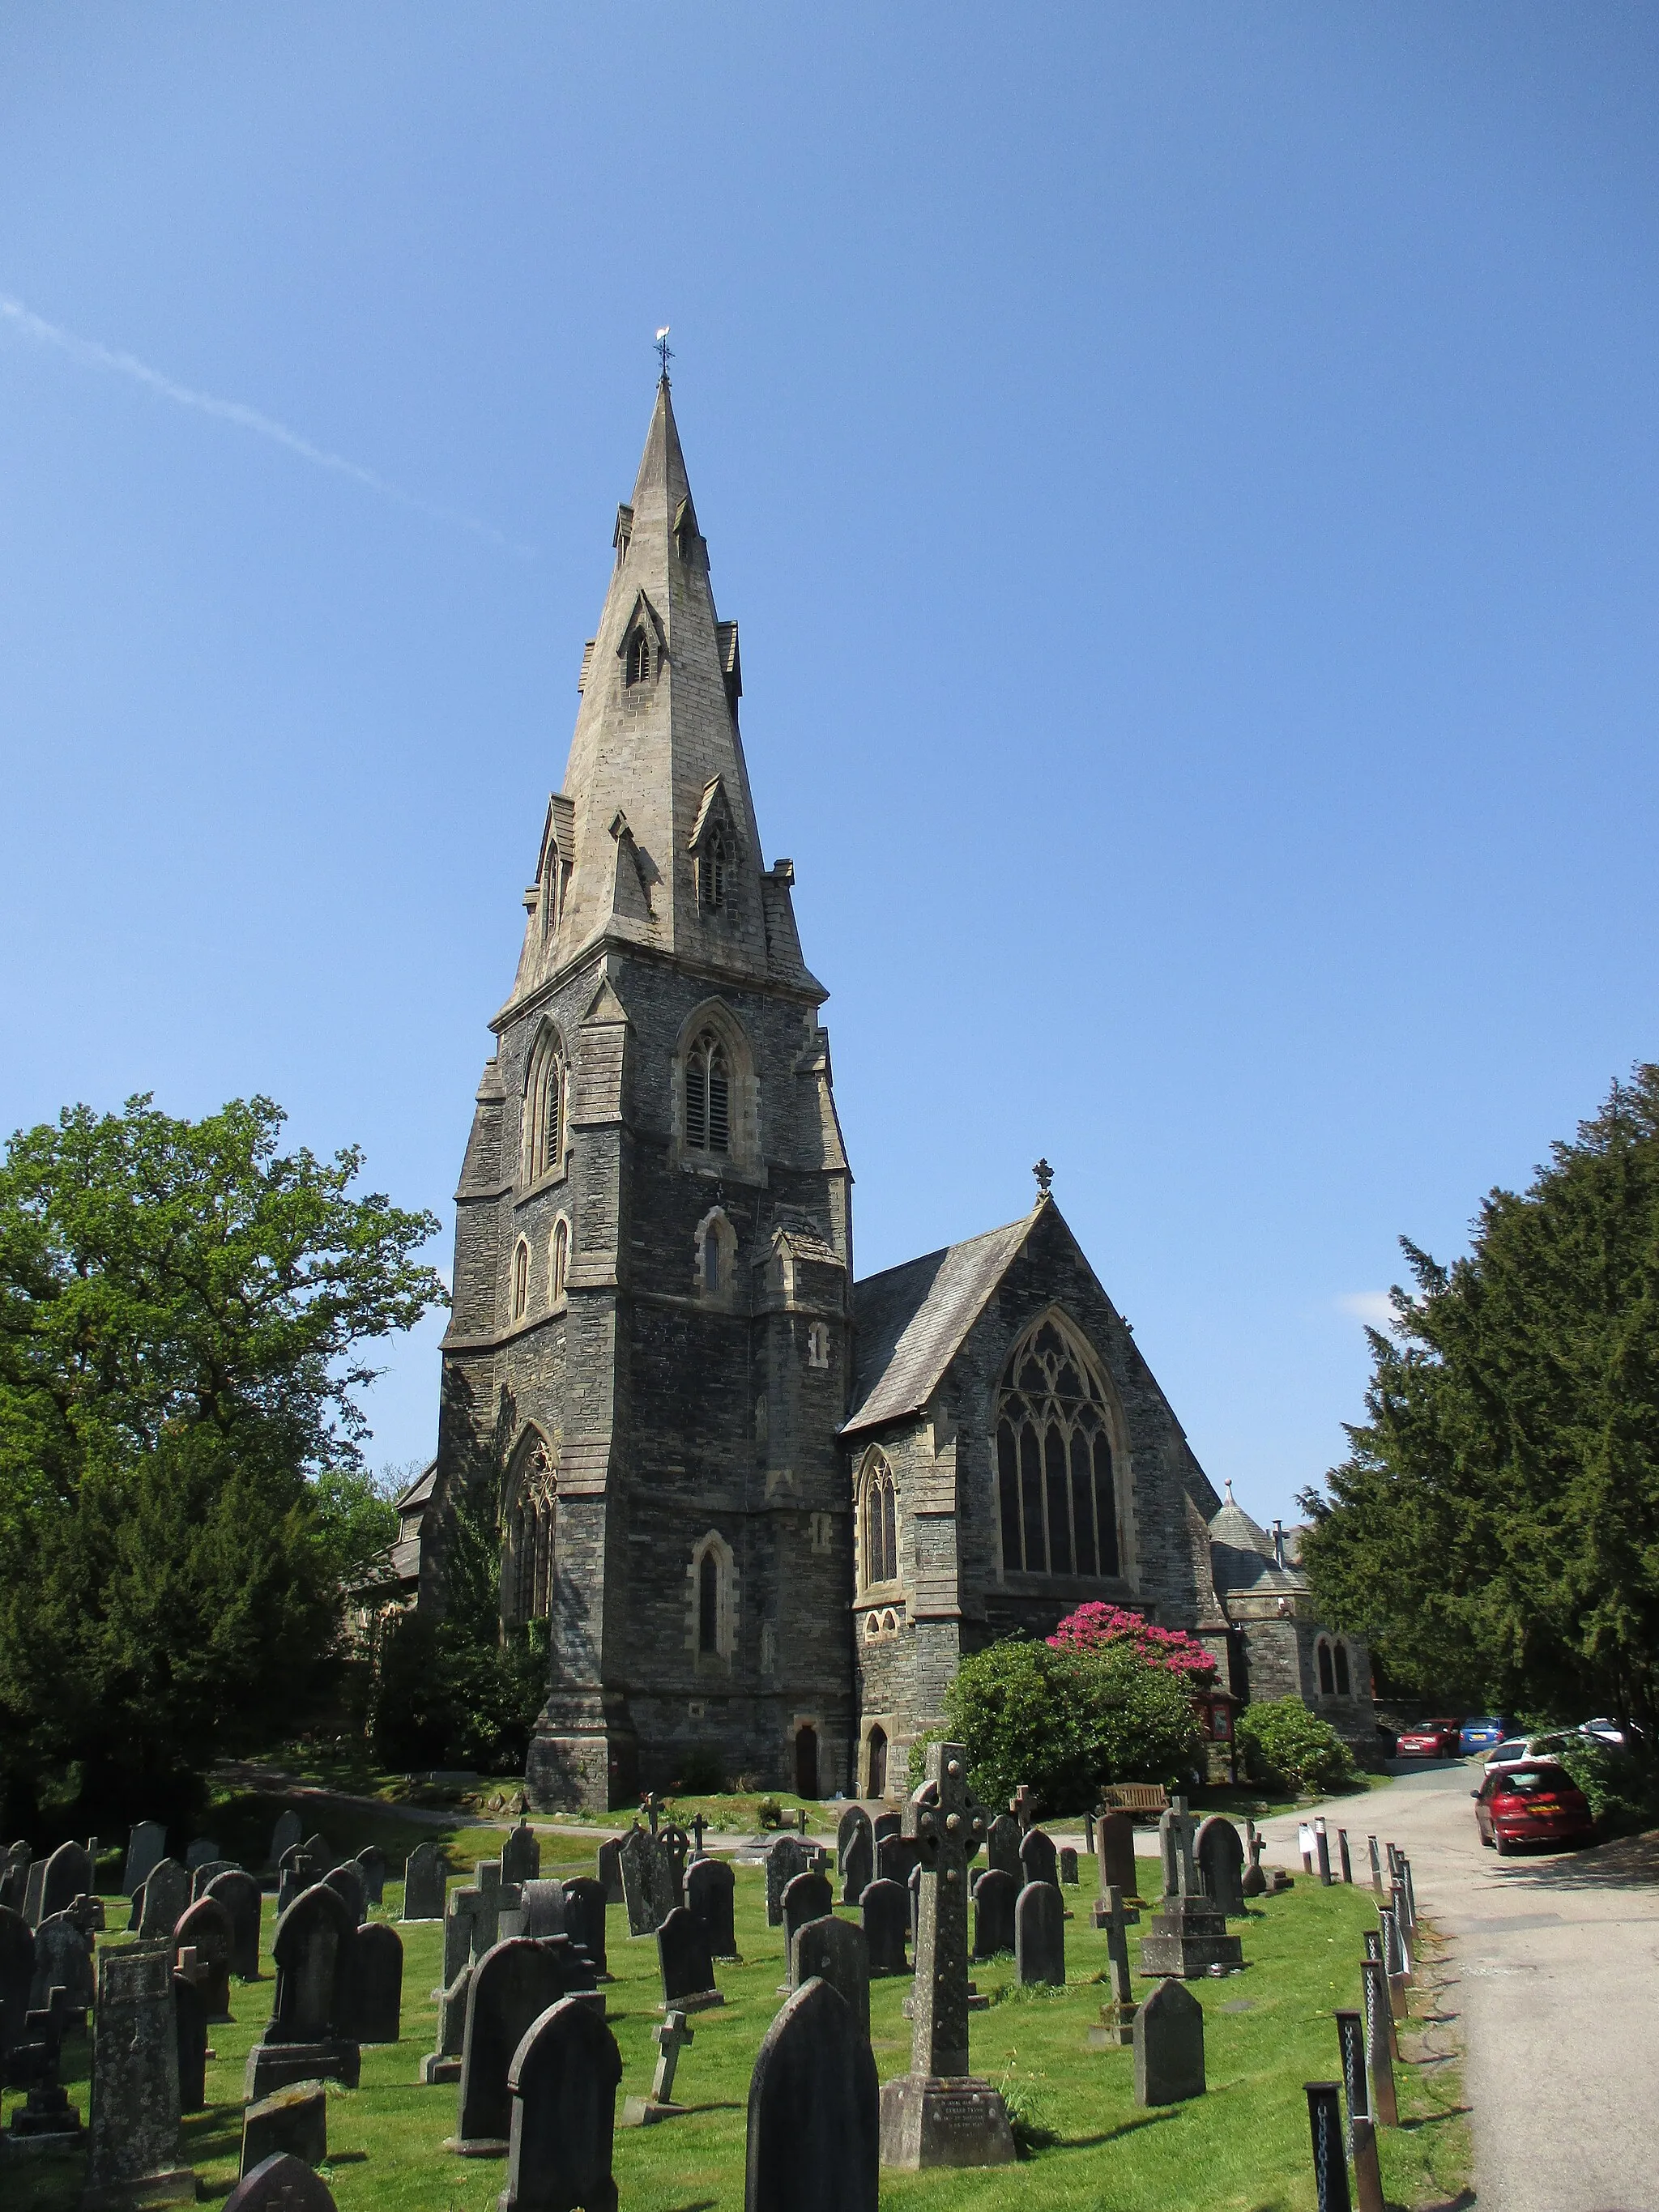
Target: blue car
(1482,1734)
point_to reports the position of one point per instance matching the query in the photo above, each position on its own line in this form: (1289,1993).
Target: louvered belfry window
(708,1095)
(639,659)
(1059,1507)
(711,874)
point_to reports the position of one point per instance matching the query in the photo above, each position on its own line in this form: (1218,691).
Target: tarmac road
(1554,1970)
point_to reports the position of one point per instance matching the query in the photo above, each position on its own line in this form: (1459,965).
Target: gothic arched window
(555,879)
(558,1270)
(520,1279)
(711,874)
(637,669)
(711,1632)
(709,1604)
(1054,1487)
(527,1535)
(878,1758)
(546,1101)
(708,1095)
(1344,1679)
(878,1522)
(1327,1679)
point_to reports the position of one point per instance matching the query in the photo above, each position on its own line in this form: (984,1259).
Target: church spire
(652,841)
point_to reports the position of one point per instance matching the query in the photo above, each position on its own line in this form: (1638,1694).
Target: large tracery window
(546,1103)
(527,1536)
(708,1095)
(878,1522)
(1055,1485)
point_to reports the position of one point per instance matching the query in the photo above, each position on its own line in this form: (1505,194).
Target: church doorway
(878,1762)
(806,1762)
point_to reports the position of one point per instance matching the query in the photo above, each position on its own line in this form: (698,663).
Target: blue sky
(1187,479)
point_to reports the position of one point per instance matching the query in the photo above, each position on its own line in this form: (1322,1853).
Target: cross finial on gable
(1045,1175)
(665,351)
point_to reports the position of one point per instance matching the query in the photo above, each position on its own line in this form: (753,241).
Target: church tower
(648,1358)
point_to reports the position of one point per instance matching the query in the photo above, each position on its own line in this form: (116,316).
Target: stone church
(765,1509)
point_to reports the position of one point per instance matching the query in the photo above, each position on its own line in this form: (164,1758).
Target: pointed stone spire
(652,841)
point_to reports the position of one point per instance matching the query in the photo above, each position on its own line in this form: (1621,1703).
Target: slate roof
(1242,1555)
(912,1319)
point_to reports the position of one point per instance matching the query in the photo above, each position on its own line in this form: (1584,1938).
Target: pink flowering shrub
(1095,1625)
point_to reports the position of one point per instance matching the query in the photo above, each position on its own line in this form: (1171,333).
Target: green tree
(1285,1743)
(182,1310)
(1495,1530)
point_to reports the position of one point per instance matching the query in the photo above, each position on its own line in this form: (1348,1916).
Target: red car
(1431,1740)
(1537,1803)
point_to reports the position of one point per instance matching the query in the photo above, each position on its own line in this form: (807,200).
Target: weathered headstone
(166,1899)
(1117,2018)
(835,1951)
(1168,2043)
(522,1855)
(372,1984)
(1068,1866)
(995,1895)
(281,2184)
(806,1897)
(815,2109)
(886,1913)
(346,1881)
(711,1899)
(16,1977)
(609,1869)
(688,1970)
(1221,1865)
(207,1927)
(940,2114)
(285,1835)
(857,1860)
(63,1960)
(69,1874)
(444,2063)
(1040,1935)
(1114,1854)
(33,1888)
(648,1882)
(896,1857)
(147,1845)
(302,2039)
(512,1985)
(542,1905)
(299,1868)
(1188,1934)
(563,2081)
(1038,1859)
(292,2120)
(202,1878)
(885,1825)
(238,1894)
(190,2022)
(1255,1883)
(132,2148)
(424,1881)
(854,1821)
(1002,1841)
(584,1919)
(787,1857)
(1329,2159)
(199,1851)
(371,1865)
(671,2036)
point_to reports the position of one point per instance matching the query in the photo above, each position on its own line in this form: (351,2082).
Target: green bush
(1285,1744)
(1622,1786)
(769,1813)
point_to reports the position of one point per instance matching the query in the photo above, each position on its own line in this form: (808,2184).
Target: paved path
(1554,1969)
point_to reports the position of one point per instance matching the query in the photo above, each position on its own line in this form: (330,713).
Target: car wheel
(1505,1846)
(1486,1840)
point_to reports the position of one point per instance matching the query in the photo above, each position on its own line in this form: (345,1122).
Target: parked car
(1429,1740)
(1617,1735)
(1537,1802)
(1517,1750)
(1482,1732)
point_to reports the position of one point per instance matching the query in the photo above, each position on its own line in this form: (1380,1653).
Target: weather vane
(665,351)
(1045,1175)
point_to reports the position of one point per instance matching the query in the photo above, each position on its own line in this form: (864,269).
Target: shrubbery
(1285,1743)
(1622,1786)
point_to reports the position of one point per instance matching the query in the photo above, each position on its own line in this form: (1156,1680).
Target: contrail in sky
(91,354)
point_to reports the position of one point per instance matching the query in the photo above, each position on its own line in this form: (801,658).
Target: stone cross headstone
(425,1879)
(609,1869)
(201,1849)
(167,1897)
(239,1894)
(280,2182)
(1114,1853)
(1379,2042)
(671,2037)
(938,2113)
(146,1846)
(1221,1864)
(1329,2159)
(461,1922)
(995,1895)
(191,2023)
(688,1971)
(699,1829)
(834,1951)
(857,1859)
(584,1919)
(711,1899)
(17,1978)
(1023,1805)
(1038,1859)
(807,1897)
(1343,1856)
(1068,1866)
(1255,1883)
(132,2145)
(294,2121)
(522,1855)
(512,1985)
(648,1888)
(1176,1832)
(1188,1935)
(1040,1935)
(814,2107)
(207,1930)
(285,1835)
(562,2082)
(651,1806)
(886,1914)
(372,1985)
(303,2041)
(346,1881)
(1168,2045)
(1121,2015)
(678,1844)
(373,1866)
(1002,1844)
(443,2063)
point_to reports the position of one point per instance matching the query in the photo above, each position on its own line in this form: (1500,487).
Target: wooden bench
(1140,1800)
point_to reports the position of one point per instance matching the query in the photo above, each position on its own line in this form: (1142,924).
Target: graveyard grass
(1242,2148)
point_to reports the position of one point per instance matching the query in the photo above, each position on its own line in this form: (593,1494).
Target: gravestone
(425,1879)
(857,1860)
(238,1894)
(1188,1932)
(147,1845)
(835,1951)
(372,1984)
(1040,1935)
(1255,1883)
(688,1970)
(585,1919)
(940,2114)
(303,2040)
(995,1895)
(854,1821)
(1002,1842)
(1168,2042)
(1221,1864)
(444,2064)
(542,1903)
(562,2082)
(512,1985)
(1038,1859)
(281,2184)
(207,1928)
(883,1825)
(815,2111)
(190,2022)
(671,2037)
(1067,1866)
(486,1903)
(347,1882)
(284,1835)
(648,1882)
(132,2146)
(299,1868)
(63,1960)
(1114,1854)
(69,1874)
(166,1899)
(609,1869)
(807,1897)
(1117,2018)
(291,2121)
(522,1855)
(896,1857)
(787,1857)
(711,1899)
(202,1878)
(886,1908)
(16,1977)
(32,1892)
(372,1867)
(460,1921)
(201,1851)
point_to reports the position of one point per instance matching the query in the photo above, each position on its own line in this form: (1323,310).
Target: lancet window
(708,1095)
(712,863)
(878,1522)
(528,1517)
(520,1279)
(1054,1476)
(637,662)
(546,1106)
(558,1266)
